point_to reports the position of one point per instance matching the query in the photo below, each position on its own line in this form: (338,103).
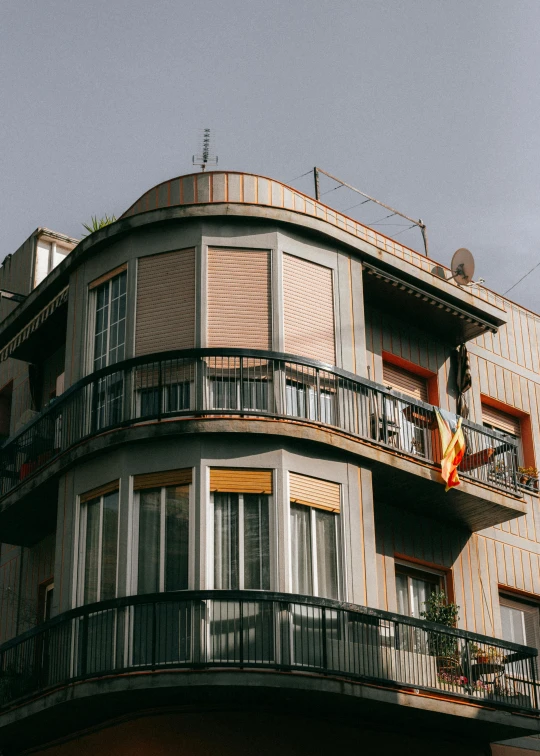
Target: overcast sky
(432,106)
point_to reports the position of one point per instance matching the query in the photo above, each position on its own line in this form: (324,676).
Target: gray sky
(432,106)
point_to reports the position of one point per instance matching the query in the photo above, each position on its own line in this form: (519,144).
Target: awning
(34,324)
(424,308)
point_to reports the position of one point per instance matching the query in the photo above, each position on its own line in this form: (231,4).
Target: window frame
(339,540)
(241,539)
(420,571)
(133,546)
(93,290)
(80,546)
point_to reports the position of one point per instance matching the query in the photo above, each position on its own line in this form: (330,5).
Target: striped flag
(452,444)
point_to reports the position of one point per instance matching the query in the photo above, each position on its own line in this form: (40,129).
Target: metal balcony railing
(282,632)
(205,382)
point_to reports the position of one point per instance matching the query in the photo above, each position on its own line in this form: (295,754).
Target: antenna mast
(206,157)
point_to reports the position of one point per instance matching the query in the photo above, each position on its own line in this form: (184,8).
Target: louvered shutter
(239,299)
(501,420)
(314,492)
(165,302)
(95,493)
(308,304)
(402,380)
(234,480)
(165,478)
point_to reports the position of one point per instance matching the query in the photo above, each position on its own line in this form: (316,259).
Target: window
(109,348)
(98,546)
(414,587)
(315,536)
(520,622)
(241,502)
(110,321)
(389,422)
(241,541)
(49,254)
(163,539)
(496,419)
(45,600)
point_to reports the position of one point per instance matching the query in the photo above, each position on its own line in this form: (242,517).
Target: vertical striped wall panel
(165,302)
(308,304)
(239,298)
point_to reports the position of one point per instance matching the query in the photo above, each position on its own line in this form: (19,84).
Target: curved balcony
(202,630)
(221,382)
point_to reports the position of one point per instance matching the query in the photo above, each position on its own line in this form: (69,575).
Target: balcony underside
(332,703)
(27,512)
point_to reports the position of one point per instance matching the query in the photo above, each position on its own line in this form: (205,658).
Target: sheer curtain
(91,552)
(301,557)
(149,536)
(256,542)
(176,538)
(109,546)
(226,556)
(326,535)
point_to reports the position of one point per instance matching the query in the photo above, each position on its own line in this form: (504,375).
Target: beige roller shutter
(95,493)
(234,480)
(501,420)
(239,300)
(165,302)
(314,492)
(402,380)
(308,302)
(165,478)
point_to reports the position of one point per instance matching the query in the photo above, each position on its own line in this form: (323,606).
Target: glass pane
(402,591)
(256,542)
(513,625)
(176,538)
(149,536)
(325,534)
(117,336)
(102,321)
(109,546)
(226,562)
(302,581)
(421,590)
(91,560)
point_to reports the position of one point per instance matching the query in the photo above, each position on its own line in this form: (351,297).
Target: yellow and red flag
(453,446)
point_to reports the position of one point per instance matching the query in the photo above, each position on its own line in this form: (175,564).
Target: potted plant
(443,646)
(528,477)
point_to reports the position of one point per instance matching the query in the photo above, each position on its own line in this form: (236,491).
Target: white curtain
(149,535)
(301,558)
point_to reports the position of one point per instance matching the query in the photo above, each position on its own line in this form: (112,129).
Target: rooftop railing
(262,630)
(207,382)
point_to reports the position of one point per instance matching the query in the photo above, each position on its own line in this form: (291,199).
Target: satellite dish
(462,267)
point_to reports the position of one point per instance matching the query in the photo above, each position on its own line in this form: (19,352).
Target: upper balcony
(233,390)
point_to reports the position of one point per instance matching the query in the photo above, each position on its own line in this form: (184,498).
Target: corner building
(221,507)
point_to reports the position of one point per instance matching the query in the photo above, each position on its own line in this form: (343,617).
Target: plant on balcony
(528,477)
(97,223)
(443,646)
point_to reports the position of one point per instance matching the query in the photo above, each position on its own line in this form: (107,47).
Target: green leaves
(97,223)
(439,610)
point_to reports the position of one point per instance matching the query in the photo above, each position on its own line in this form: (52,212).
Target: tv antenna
(206,157)
(462,267)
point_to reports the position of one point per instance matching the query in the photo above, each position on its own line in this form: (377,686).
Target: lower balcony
(209,631)
(218,383)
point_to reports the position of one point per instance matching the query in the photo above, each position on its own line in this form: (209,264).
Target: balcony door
(392,423)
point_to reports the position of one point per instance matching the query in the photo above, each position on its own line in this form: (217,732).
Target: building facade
(221,504)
